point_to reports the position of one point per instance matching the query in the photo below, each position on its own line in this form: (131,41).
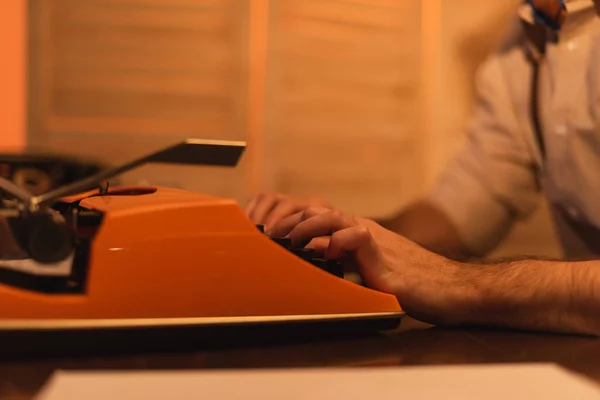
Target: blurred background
(359,101)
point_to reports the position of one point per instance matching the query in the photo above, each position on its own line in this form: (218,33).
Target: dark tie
(551,12)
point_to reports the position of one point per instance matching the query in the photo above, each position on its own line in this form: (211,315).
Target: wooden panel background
(342,102)
(117,78)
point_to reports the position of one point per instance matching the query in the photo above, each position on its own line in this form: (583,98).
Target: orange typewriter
(88,254)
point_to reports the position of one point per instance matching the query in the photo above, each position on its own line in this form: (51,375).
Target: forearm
(535,295)
(429,227)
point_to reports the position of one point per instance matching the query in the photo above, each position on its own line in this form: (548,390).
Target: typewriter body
(129,255)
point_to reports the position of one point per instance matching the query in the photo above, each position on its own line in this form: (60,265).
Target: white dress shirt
(502,173)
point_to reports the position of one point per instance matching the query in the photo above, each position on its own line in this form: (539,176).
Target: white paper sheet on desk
(492,382)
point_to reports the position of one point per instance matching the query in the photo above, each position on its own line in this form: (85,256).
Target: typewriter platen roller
(38,171)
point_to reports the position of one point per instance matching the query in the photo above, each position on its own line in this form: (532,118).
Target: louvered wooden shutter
(115,78)
(343,101)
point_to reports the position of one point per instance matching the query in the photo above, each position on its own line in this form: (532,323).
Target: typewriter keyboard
(331,266)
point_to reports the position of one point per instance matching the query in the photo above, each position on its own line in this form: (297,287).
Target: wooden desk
(413,344)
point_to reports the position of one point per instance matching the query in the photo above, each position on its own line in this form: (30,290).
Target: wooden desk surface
(413,344)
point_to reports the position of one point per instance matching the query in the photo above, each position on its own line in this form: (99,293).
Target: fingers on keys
(260,206)
(347,235)
(269,208)
(319,245)
(285,225)
(281,210)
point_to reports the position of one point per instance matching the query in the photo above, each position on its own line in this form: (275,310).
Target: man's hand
(269,208)
(425,284)
(524,294)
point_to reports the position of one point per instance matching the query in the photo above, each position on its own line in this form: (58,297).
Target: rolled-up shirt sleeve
(492,180)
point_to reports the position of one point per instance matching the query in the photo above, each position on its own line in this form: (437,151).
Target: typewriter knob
(33,180)
(44,237)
